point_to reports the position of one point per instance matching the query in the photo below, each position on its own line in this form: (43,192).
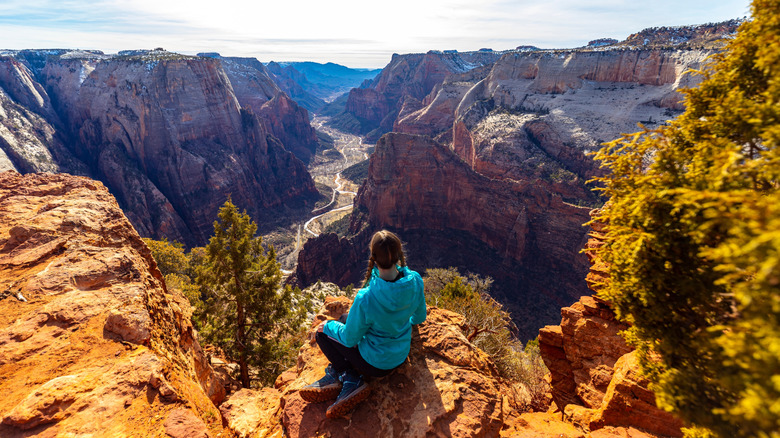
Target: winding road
(353,150)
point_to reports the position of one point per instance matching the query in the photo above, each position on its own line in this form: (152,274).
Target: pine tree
(693,241)
(177,269)
(248,314)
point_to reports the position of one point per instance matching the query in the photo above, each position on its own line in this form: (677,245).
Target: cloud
(364,33)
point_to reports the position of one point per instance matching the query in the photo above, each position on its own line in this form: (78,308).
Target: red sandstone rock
(540,425)
(581,352)
(251,413)
(629,403)
(98,345)
(595,376)
(182,423)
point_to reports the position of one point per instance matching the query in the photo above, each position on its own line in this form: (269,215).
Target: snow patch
(86,69)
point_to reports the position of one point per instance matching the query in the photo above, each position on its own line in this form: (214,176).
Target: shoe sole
(344,407)
(316,395)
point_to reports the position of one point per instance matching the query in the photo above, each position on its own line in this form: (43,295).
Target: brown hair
(386,250)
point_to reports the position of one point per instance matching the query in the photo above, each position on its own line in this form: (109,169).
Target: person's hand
(320,329)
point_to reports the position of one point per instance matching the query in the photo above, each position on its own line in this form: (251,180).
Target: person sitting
(375,336)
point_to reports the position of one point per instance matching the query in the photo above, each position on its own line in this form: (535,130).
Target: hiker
(374,338)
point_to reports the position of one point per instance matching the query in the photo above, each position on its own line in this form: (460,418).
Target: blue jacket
(381,317)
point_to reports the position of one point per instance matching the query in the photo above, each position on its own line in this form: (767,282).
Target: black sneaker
(354,391)
(327,388)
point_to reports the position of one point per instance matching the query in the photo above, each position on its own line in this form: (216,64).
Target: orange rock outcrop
(91,342)
(595,376)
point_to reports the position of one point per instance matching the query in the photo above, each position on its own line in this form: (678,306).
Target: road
(328,172)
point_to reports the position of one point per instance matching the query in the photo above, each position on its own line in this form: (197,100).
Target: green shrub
(489,327)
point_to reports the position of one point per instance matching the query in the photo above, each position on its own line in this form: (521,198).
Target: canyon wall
(535,115)
(166,133)
(375,107)
(30,140)
(255,88)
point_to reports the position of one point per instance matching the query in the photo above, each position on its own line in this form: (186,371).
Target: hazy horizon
(346,32)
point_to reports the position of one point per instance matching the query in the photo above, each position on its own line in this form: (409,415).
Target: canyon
(168,134)
(480,163)
(486,166)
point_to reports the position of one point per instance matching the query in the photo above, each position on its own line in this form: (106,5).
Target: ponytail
(369,271)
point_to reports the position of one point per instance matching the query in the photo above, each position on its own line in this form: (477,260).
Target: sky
(356,33)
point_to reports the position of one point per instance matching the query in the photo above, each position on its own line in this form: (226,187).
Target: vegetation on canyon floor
(693,241)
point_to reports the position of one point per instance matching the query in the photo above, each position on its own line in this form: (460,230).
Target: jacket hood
(394,295)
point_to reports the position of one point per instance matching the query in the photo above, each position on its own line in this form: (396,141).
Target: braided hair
(386,250)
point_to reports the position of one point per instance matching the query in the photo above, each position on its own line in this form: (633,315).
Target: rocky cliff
(447,387)
(165,133)
(30,140)
(254,87)
(376,107)
(91,341)
(521,233)
(595,376)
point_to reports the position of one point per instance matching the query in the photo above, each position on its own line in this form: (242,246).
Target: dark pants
(344,358)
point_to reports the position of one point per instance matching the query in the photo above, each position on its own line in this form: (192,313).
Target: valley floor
(325,168)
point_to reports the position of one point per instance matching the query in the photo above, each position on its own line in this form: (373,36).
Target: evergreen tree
(248,314)
(693,241)
(177,269)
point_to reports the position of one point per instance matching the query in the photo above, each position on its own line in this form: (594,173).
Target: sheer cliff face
(414,76)
(29,137)
(169,139)
(281,116)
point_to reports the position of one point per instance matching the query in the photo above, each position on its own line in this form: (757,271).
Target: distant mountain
(331,80)
(295,84)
